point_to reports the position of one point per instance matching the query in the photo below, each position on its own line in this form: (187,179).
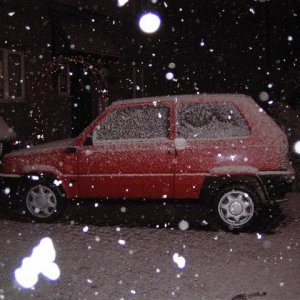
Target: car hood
(45,147)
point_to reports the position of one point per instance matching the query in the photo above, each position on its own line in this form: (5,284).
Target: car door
(132,155)
(209,136)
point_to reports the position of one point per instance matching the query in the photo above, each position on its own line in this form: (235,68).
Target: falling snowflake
(263,96)
(183,225)
(179,261)
(121,242)
(122,2)
(297,147)
(169,75)
(149,22)
(259,236)
(41,261)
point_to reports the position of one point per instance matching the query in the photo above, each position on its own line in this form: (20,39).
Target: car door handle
(170,150)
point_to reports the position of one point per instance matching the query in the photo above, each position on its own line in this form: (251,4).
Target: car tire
(43,202)
(236,207)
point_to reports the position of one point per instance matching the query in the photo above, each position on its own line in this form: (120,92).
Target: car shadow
(156,214)
(139,213)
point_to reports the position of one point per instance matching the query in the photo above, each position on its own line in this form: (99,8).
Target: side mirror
(88,141)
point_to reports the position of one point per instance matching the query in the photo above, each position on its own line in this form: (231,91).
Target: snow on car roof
(179,98)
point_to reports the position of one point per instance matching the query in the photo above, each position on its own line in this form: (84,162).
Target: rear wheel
(236,207)
(43,202)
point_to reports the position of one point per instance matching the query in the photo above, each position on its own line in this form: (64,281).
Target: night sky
(225,46)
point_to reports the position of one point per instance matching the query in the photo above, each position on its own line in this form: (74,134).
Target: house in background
(62,62)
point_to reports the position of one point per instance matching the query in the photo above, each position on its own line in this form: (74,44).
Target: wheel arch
(212,185)
(51,179)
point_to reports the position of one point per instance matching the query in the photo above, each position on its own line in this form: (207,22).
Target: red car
(221,149)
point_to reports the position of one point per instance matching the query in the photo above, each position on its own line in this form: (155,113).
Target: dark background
(242,46)
(246,48)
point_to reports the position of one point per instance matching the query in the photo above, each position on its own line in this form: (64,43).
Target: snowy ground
(94,263)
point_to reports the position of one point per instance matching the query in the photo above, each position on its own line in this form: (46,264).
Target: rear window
(210,121)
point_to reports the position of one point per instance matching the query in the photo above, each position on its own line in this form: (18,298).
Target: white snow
(122,2)
(297,147)
(134,123)
(172,65)
(169,75)
(234,170)
(180,143)
(263,96)
(149,22)
(183,225)
(41,261)
(210,121)
(121,242)
(179,261)
(259,236)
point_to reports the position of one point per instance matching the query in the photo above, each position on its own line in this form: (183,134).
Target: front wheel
(236,207)
(43,202)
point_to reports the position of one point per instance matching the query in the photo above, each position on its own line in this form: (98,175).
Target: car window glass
(134,123)
(210,121)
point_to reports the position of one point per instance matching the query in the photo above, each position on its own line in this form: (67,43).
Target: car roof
(186,98)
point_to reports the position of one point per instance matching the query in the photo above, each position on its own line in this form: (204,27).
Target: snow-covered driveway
(147,259)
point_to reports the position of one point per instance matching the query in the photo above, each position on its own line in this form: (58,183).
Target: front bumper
(9,189)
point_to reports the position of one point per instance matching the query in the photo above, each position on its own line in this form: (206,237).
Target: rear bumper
(9,188)
(277,184)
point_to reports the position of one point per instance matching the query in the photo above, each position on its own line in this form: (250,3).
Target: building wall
(26,26)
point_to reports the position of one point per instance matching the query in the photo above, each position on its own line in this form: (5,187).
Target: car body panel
(172,167)
(142,169)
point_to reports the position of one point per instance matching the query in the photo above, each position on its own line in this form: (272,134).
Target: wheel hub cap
(236,208)
(41,202)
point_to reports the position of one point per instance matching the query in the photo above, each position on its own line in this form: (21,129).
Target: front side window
(11,75)
(210,121)
(142,122)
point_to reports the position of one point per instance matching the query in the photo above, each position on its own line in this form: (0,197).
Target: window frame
(59,91)
(6,96)
(110,141)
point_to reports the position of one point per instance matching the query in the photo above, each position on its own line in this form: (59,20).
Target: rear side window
(134,123)
(210,121)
